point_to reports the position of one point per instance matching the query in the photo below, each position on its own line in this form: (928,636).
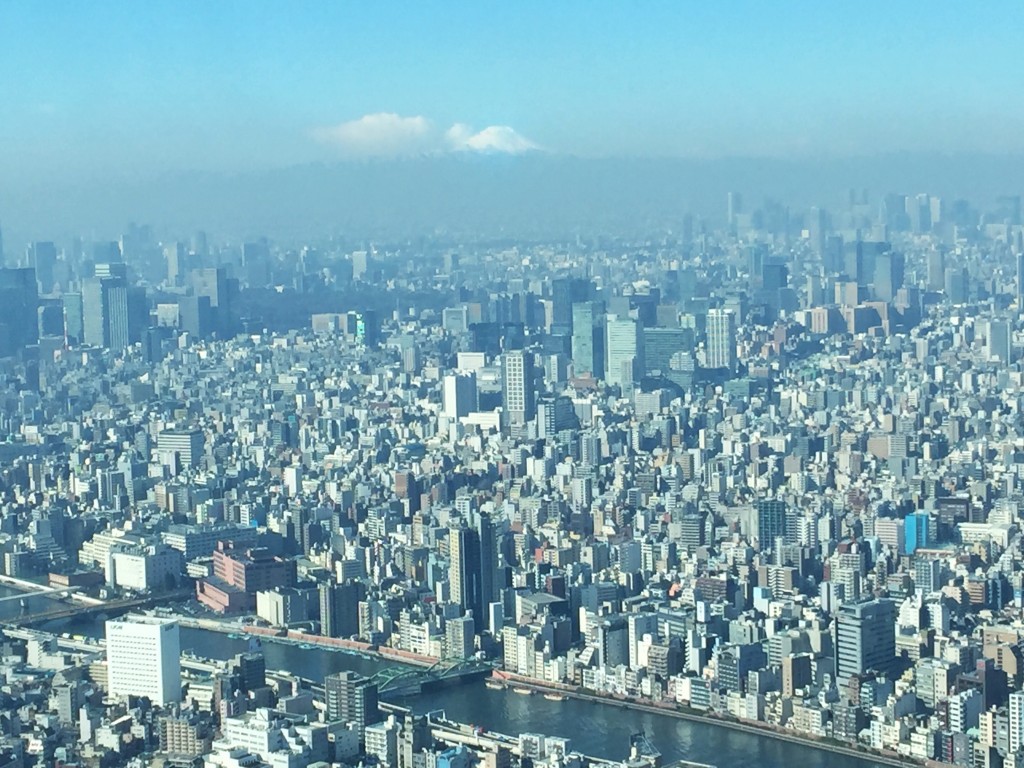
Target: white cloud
(380,134)
(386,134)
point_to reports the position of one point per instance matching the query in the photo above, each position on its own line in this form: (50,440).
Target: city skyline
(511,386)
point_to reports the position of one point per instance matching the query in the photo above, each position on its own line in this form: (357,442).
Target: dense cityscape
(764,471)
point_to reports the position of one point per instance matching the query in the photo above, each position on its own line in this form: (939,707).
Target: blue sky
(122,86)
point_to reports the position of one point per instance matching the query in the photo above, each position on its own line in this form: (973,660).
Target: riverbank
(762,729)
(291,637)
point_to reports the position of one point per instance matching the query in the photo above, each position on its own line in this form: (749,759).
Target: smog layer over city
(511,385)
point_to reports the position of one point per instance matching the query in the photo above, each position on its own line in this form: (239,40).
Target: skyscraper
(865,638)
(957,285)
(214,284)
(488,565)
(561,306)
(351,698)
(1020,280)
(73,318)
(473,567)
(1015,721)
(661,345)
(113,312)
(998,340)
(144,658)
(339,608)
(915,531)
(623,351)
(588,338)
(937,270)
(19,304)
(42,257)
(889,273)
(817,229)
(176,255)
(771,521)
(460,394)
(733,208)
(720,351)
(187,444)
(517,386)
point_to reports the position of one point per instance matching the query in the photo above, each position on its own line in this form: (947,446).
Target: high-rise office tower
(113,312)
(116,321)
(460,394)
(817,230)
(19,304)
(51,317)
(215,285)
(517,386)
(488,565)
(623,351)
(919,213)
(889,272)
(865,638)
(774,275)
(771,521)
(144,658)
(176,255)
(937,270)
(256,263)
(915,532)
(339,608)
(198,244)
(1020,280)
(661,345)
(733,208)
(473,553)
(561,306)
(106,252)
(998,341)
(720,350)
(187,444)
(1015,721)
(464,550)
(957,285)
(73,317)
(42,257)
(196,316)
(588,331)
(755,255)
(351,698)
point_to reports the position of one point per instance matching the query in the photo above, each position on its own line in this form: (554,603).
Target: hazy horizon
(106,104)
(543,195)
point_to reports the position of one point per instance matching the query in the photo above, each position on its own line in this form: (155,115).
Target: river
(595,729)
(11,607)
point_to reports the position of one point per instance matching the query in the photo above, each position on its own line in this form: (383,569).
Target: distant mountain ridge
(534,194)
